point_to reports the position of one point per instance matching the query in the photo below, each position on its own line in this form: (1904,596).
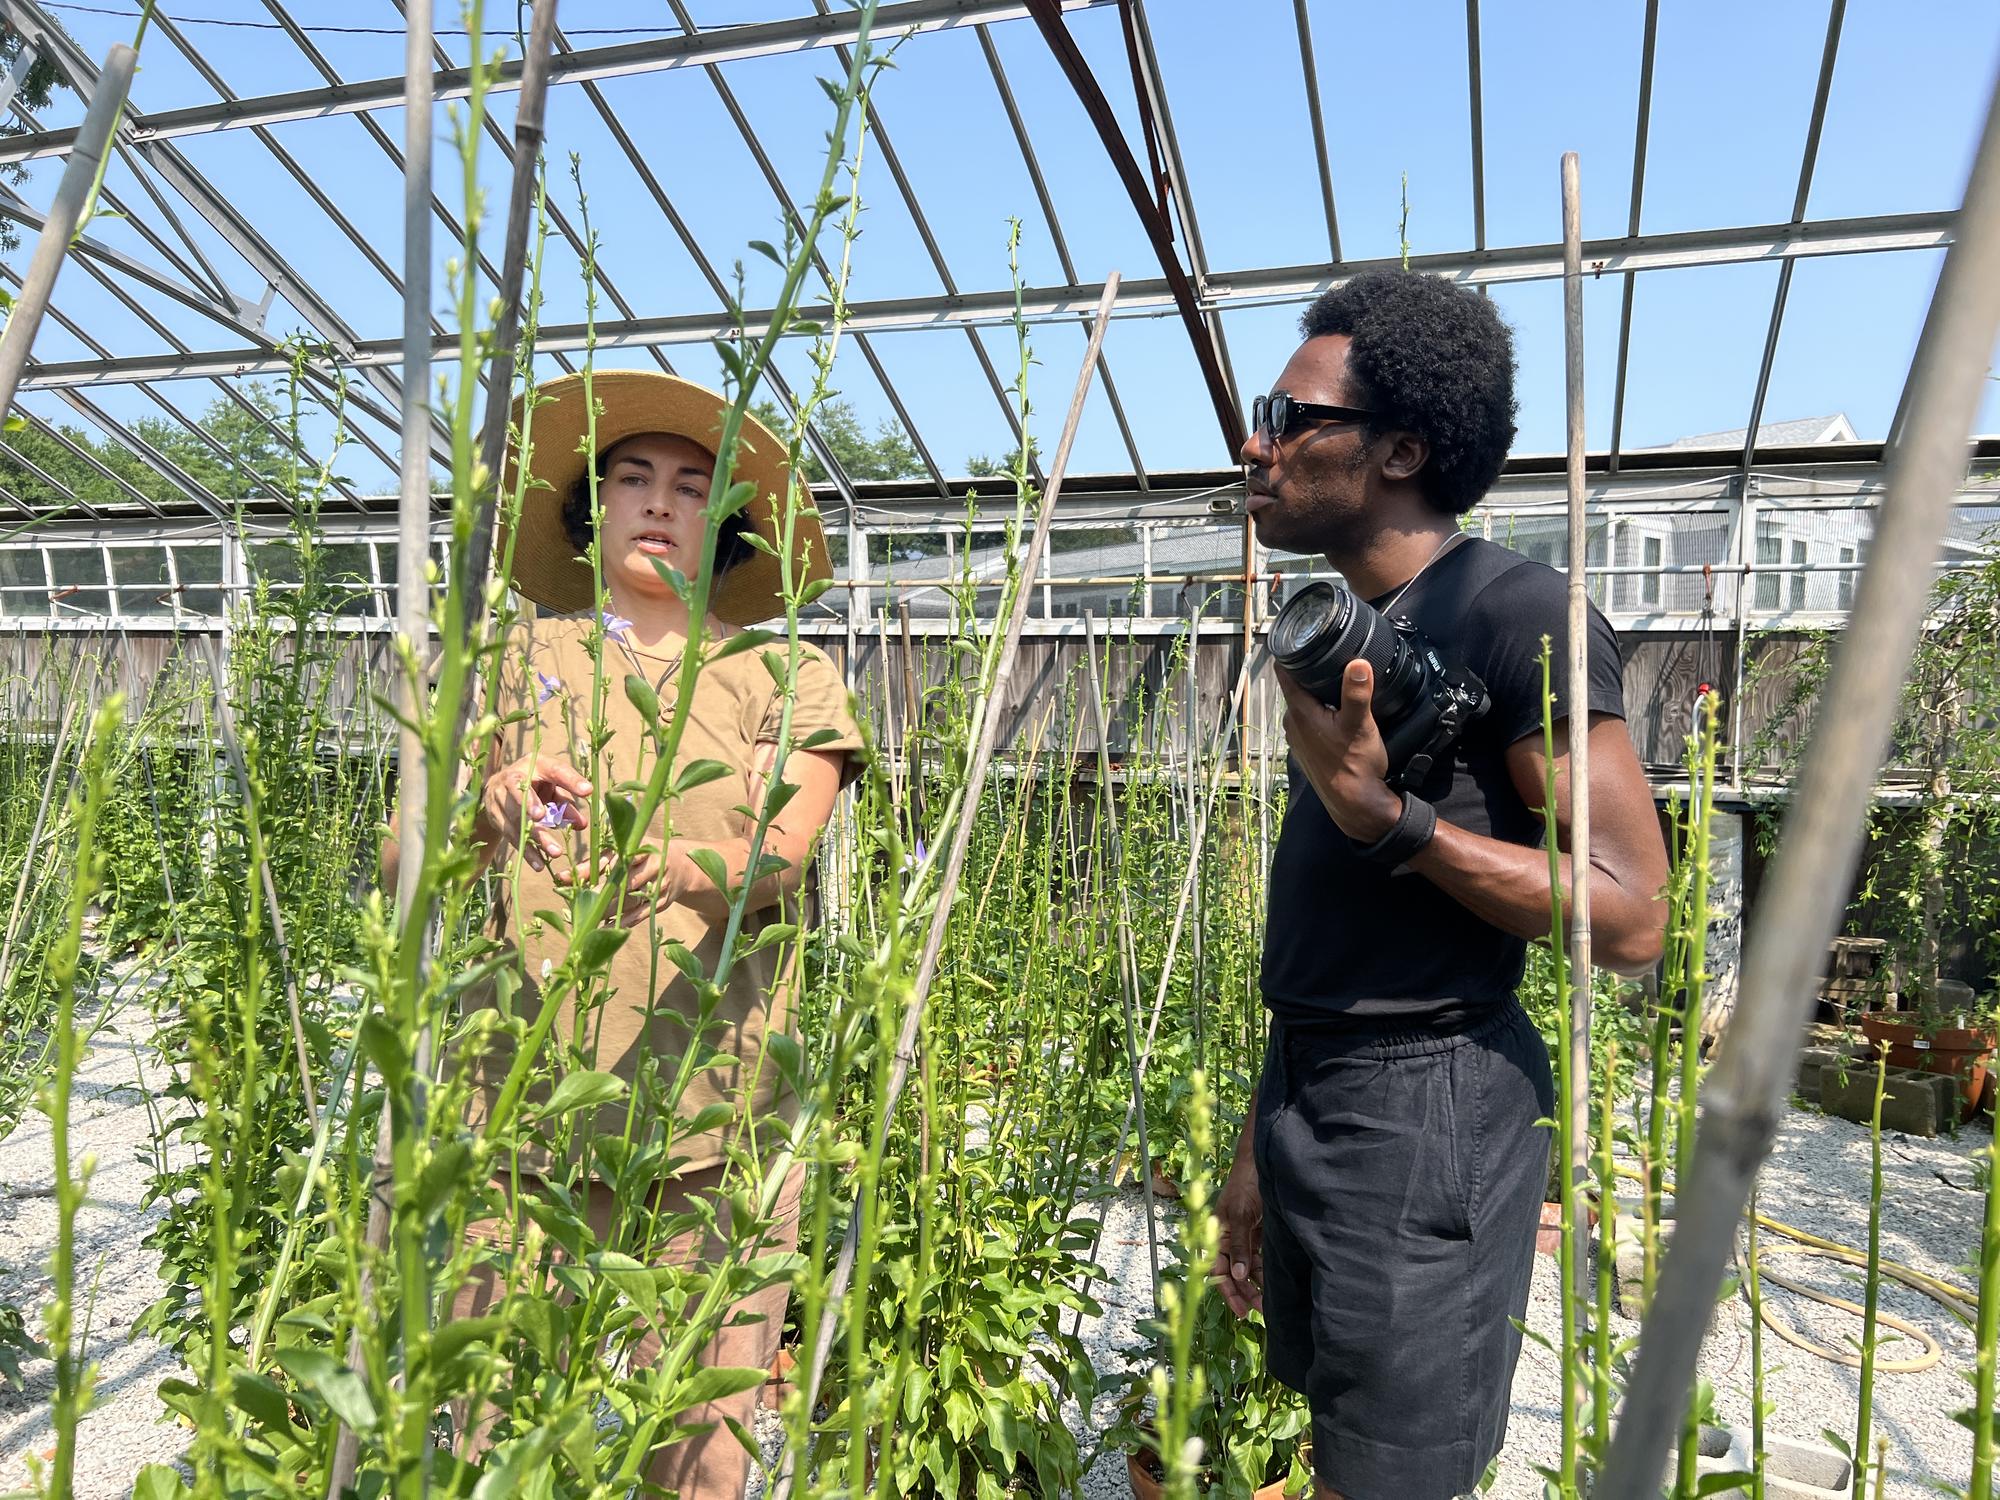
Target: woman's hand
(542,794)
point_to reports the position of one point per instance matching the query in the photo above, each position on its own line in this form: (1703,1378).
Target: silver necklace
(1442,547)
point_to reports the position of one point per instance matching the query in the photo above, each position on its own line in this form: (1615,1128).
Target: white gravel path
(1817,1181)
(109,1119)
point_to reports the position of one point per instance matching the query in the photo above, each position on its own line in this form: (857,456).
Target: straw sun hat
(547,568)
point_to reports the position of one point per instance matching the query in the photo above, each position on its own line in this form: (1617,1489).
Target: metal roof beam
(1836,14)
(814,440)
(725,44)
(180,175)
(77,451)
(1056,237)
(1311,68)
(1640,132)
(763,160)
(1177,180)
(1477,116)
(1153,297)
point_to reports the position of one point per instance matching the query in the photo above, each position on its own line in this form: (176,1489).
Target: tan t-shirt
(547,667)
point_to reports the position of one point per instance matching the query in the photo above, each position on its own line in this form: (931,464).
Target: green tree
(254,452)
(979,466)
(37,85)
(889,454)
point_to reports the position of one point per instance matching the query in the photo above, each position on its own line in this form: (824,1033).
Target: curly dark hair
(732,543)
(1434,359)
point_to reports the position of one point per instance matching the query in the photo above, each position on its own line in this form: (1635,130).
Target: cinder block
(1795,1469)
(1718,1450)
(1628,1265)
(1812,1060)
(1913,1103)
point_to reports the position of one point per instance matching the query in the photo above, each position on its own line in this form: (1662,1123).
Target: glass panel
(1797,584)
(1651,551)
(1844,589)
(24,588)
(200,569)
(78,573)
(1770,549)
(344,566)
(140,577)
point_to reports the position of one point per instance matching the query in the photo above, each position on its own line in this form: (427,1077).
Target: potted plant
(1252,1430)
(1932,870)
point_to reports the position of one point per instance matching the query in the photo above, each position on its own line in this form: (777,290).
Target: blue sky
(1732,94)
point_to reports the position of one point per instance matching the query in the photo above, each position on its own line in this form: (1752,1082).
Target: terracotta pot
(1164,1187)
(1548,1234)
(773,1392)
(1961,1051)
(1146,1486)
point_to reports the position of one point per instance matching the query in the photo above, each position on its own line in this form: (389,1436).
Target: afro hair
(1433,359)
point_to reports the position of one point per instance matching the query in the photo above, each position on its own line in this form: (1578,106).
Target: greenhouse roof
(1763,220)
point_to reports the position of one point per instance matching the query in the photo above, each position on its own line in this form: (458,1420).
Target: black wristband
(1414,828)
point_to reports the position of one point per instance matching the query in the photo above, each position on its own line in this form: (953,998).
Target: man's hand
(1342,754)
(543,793)
(1239,1264)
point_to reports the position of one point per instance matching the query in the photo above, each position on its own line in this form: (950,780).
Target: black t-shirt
(1350,944)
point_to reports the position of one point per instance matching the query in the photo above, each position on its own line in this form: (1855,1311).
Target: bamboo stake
(1824,824)
(413,546)
(1578,703)
(982,760)
(528,112)
(79,180)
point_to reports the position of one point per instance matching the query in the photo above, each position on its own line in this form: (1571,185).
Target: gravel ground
(109,1120)
(1817,1181)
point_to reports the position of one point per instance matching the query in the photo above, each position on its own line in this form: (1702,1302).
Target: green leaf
(639,693)
(261,1399)
(443,1172)
(624,816)
(509,1467)
(158,1482)
(450,1340)
(768,251)
(716,1383)
(585,1089)
(631,1278)
(339,1387)
(709,862)
(382,1046)
(1715,1484)
(700,773)
(595,948)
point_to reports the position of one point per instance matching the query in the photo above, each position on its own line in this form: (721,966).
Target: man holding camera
(1382,1206)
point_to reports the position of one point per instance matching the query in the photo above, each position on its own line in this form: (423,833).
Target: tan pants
(713,1464)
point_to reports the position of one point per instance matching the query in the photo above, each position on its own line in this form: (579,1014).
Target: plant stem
(1864,1413)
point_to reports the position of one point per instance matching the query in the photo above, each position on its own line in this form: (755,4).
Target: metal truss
(180,268)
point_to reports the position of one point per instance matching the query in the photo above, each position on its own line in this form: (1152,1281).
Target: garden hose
(1956,1300)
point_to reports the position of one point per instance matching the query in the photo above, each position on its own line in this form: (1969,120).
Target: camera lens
(1323,627)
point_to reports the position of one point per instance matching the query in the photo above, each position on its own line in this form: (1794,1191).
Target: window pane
(140,577)
(79,581)
(1798,580)
(200,569)
(24,589)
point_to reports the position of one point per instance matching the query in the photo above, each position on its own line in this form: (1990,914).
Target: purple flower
(555,815)
(615,626)
(546,687)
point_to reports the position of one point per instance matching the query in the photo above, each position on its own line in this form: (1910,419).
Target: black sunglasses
(1280,412)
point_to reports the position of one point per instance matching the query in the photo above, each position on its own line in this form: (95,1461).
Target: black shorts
(1402,1179)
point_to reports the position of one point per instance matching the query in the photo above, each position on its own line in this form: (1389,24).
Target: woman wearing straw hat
(654,452)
